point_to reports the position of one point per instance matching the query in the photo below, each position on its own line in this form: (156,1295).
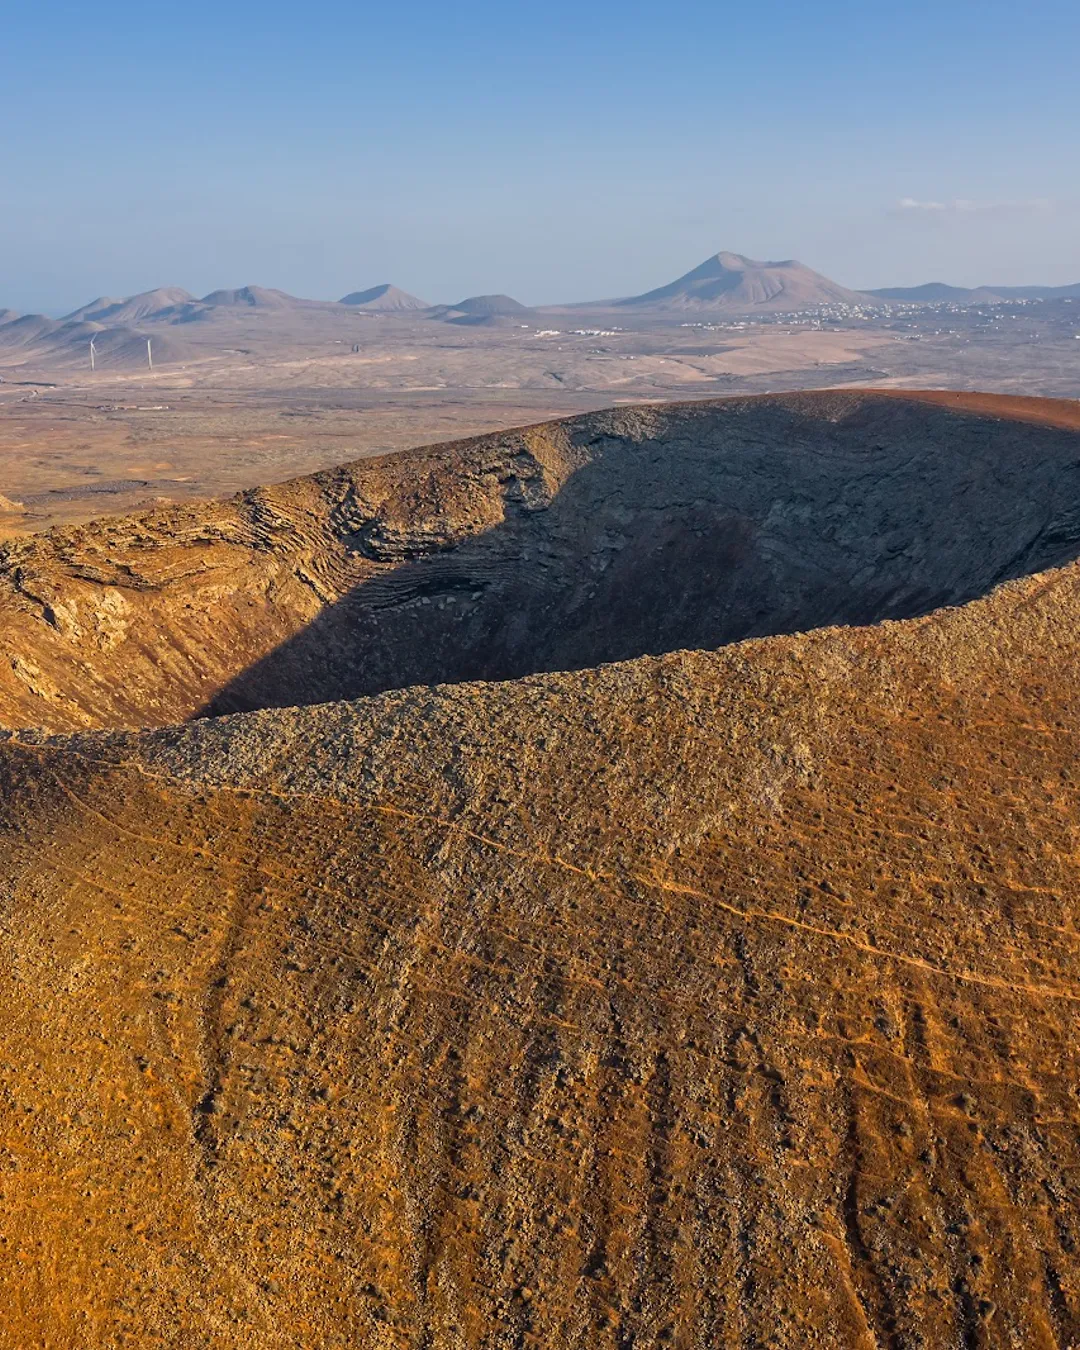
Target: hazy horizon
(556,157)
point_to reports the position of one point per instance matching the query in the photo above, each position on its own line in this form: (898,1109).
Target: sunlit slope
(709,999)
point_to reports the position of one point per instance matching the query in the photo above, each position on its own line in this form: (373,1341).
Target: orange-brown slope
(710,999)
(1049,412)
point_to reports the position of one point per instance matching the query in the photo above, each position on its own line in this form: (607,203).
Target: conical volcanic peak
(730,281)
(486,311)
(254,297)
(500,306)
(384,299)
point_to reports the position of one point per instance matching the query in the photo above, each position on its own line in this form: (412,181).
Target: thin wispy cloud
(963,206)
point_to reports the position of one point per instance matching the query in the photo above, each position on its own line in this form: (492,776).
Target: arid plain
(260,388)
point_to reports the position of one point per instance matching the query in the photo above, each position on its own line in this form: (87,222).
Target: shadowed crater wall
(561,546)
(697,528)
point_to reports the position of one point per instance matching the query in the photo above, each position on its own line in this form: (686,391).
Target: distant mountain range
(134,308)
(121,328)
(173,304)
(724,284)
(937,292)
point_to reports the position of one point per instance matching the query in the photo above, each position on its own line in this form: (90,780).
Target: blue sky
(555,151)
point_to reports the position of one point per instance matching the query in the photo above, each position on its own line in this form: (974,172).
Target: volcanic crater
(560,547)
(565,947)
